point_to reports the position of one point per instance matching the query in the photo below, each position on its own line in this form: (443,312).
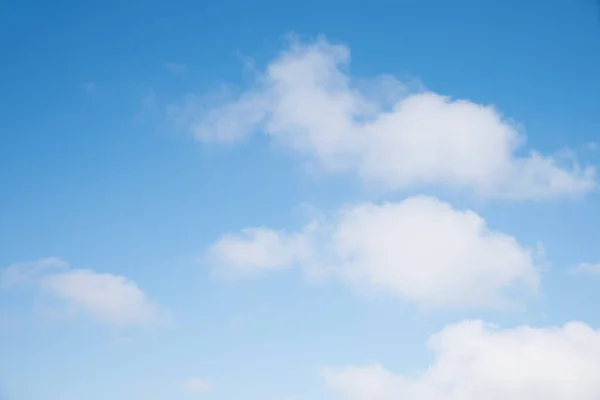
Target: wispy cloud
(586,268)
(23,272)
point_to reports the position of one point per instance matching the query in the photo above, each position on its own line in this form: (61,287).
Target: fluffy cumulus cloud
(421,250)
(105,298)
(474,361)
(383,133)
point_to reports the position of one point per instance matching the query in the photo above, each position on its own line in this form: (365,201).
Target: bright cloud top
(306,100)
(420,250)
(475,361)
(105,298)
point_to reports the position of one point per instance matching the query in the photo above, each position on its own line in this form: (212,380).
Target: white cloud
(27,271)
(197,385)
(105,298)
(256,250)
(306,100)
(474,361)
(587,268)
(420,250)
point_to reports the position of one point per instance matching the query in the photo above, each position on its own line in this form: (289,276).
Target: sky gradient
(320,200)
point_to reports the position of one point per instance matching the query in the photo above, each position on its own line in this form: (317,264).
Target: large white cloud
(305,99)
(104,297)
(474,361)
(420,250)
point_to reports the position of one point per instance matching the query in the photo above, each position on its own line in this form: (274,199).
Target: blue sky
(267,201)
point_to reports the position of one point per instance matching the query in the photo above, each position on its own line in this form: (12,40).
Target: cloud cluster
(420,250)
(474,360)
(105,298)
(382,132)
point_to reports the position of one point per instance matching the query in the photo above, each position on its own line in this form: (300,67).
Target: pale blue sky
(95,171)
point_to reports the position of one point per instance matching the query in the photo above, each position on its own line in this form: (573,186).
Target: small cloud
(106,298)
(176,69)
(586,268)
(103,297)
(474,357)
(197,385)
